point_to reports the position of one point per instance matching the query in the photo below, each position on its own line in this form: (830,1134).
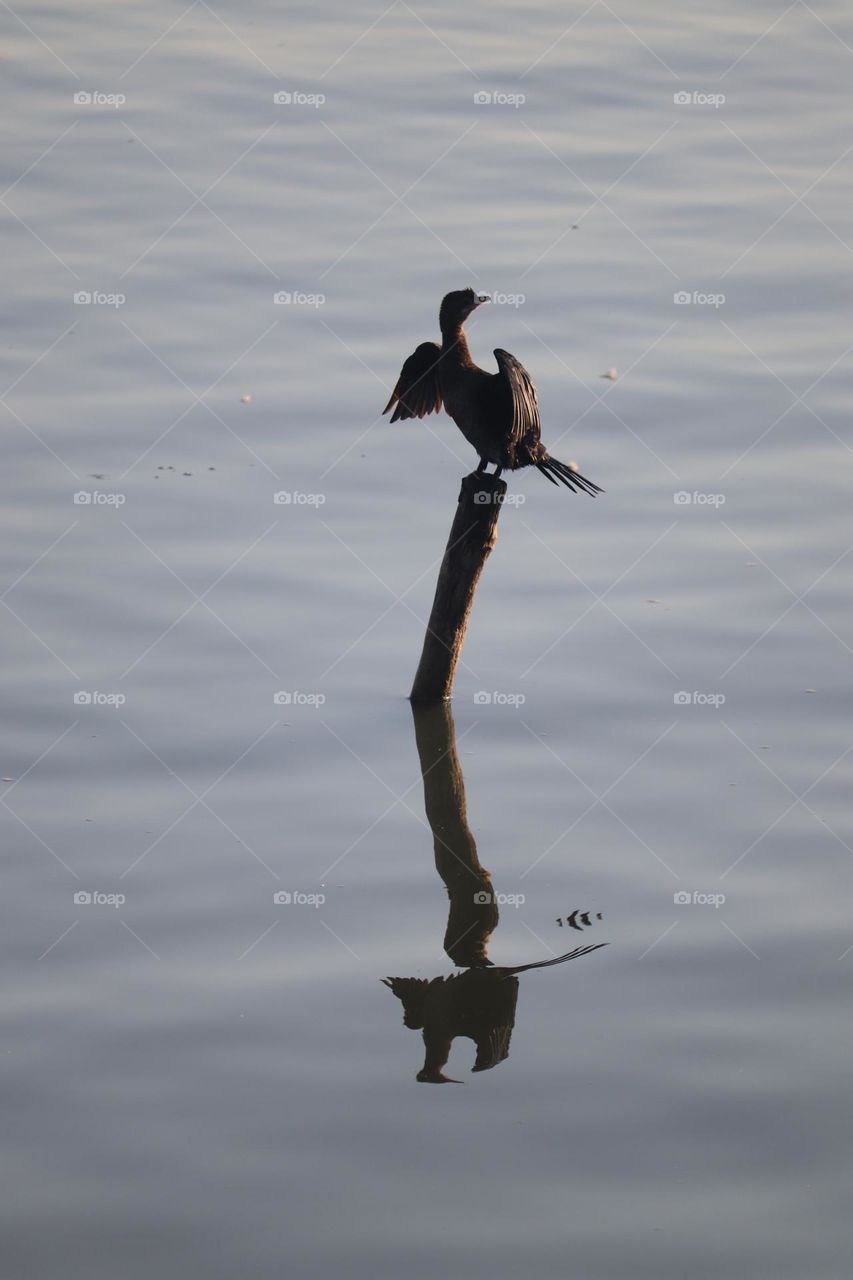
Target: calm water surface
(203,1081)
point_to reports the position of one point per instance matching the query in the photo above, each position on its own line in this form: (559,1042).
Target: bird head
(456,307)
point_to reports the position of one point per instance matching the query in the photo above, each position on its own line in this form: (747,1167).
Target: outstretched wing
(417,391)
(525,405)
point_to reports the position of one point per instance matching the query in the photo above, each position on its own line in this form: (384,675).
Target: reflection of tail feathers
(544,964)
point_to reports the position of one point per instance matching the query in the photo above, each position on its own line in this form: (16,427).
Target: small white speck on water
(246,399)
(610,374)
(811,690)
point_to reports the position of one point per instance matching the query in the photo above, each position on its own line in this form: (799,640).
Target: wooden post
(472,536)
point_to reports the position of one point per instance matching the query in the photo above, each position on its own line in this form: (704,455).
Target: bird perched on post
(497,413)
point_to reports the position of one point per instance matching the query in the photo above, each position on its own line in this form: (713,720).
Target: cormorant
(497,413)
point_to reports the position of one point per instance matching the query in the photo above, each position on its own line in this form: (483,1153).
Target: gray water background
(200,1082)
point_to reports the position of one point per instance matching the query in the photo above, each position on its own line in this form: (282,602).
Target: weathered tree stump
(472,536)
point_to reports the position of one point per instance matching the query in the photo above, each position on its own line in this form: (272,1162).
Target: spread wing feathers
(418,390)
(525,406)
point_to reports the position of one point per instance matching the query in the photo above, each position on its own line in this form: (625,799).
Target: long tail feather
(558,472)
(570,955)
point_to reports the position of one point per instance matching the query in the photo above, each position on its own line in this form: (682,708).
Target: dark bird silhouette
(479,1004)
(497,413)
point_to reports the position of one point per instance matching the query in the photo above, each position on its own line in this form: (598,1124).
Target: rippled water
(201,1081)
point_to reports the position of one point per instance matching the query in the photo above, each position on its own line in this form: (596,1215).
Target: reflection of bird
(497,413)
(479,1004)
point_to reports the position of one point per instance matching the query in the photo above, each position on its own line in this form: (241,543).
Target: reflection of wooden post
(473,910)
(472,536)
